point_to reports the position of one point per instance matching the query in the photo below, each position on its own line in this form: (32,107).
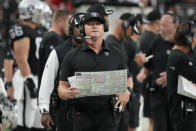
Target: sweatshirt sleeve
(48,79)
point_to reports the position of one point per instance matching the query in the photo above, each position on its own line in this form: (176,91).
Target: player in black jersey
(9,62)
(56,36)
(25,39)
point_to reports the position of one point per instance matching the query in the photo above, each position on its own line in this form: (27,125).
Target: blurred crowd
(8,10)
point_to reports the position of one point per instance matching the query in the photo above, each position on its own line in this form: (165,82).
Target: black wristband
(130,89)
(8,85)
(44,111)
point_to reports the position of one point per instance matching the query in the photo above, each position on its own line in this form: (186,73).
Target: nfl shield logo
(94,14)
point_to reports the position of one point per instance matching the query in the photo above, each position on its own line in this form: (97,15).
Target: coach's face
(94,28)
(167,27)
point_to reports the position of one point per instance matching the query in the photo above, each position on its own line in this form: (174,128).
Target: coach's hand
(123,99)
(162,80)
(66,92)
(47,121)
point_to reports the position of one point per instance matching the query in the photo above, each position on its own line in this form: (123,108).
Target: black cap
(153,15)
(93,16)
(100,9)
(126,16)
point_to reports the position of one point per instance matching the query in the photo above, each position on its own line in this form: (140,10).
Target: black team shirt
(20,31)
(49,42)
(61,51)
(111,40)
(161,50)
(146,40)
(131,49)
(84,59)
(182,64)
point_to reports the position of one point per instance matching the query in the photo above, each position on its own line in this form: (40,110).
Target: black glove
(8,85)
(31,86)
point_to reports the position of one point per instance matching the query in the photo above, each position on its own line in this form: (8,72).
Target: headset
(127,22)
(189,36)
(74,21)
(81,28)
(70,26)
(134,21)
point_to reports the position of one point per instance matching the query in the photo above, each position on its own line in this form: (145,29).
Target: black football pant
(184,124)
(103,121)
(21,128)
(64,119)
(160,113)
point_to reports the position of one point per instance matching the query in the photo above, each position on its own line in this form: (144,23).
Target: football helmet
(46,15)
(30,10)
(9,112)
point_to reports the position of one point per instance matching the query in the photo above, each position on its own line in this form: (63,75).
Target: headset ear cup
(189,36)
(125,24)
(189,39)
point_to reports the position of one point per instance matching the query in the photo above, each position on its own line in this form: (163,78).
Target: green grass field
(6,130)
